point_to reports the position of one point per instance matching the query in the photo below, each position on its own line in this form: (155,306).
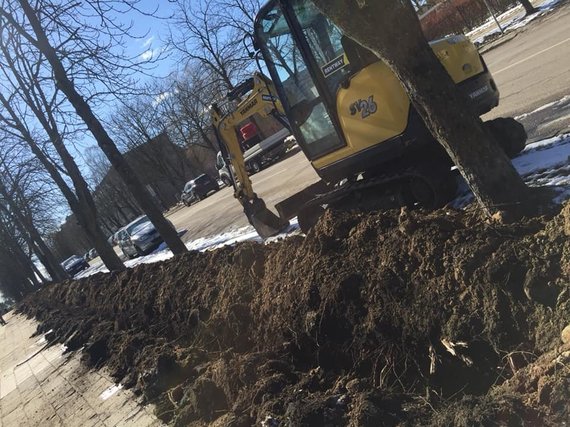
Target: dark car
(198,189)
(139,237)
(74,264)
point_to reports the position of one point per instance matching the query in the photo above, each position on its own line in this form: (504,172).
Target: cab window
(305,106)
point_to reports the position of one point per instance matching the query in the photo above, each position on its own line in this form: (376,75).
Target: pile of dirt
(371,319)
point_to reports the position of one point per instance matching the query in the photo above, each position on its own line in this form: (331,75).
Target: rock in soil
(566,335)
(366,321)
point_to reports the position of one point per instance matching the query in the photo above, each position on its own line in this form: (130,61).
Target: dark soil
(393,318)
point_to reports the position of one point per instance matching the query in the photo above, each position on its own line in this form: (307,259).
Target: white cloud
(161,97)
(149,54)
(148,41)
(152,54)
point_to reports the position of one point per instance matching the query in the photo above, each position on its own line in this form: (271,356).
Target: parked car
(74,264)
(90,254)
(198,189)
(223,171)
(139,237)
(113,239)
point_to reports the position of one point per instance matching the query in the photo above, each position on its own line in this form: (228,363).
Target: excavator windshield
(304,54)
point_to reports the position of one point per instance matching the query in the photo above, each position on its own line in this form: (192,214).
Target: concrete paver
(41,385)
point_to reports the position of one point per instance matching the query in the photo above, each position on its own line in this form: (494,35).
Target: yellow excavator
(350,116)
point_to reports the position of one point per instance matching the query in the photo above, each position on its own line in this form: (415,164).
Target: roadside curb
(498,42)
(178,206)
(511,34)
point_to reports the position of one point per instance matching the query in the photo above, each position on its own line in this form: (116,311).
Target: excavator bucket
(290,207)
(265,222)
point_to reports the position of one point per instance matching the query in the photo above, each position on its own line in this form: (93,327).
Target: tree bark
(27,228)
(103,139)
(40,277)
(20,264)
(528,7)
(79,206)
(447,112)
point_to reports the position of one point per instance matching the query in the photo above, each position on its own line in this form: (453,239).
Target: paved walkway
(42,386)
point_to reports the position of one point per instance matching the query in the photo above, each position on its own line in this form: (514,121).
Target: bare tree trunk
(20,259)
(45,255)
(40,276)
(83,205)
(34,278)
(27,228)
(447,112)
(85,214)
(34,249)
(528,7)
(25,266)
(208,141)
(121,213)
(47,264)
(103,139)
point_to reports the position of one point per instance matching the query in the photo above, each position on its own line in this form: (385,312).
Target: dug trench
(386,318)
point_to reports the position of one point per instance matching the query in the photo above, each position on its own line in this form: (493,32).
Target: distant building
(162,167)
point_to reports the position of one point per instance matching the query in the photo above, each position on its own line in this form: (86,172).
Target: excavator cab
(348,111)
(350,116)
(306,83)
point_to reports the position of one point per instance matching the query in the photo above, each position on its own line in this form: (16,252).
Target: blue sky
(156,31)
(151,33)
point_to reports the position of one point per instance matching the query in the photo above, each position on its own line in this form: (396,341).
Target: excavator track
(429,185)
(411,187)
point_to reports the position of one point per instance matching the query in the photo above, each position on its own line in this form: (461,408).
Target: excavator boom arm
(262,100)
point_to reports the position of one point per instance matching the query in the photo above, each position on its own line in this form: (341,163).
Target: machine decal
(268,97)
(333,66)
(365,107)
(248,107)
(478,92)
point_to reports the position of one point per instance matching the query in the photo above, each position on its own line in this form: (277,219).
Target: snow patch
(562,101)
(549,154)
(542,163)
(110,391)
(509,22)
(202,244)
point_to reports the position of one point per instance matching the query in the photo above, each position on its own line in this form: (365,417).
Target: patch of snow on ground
(490,22)
(553,105)
(489,28)
(549,154)
(523,20)
(202,244)
(227,238)
(545,163)
(549,4)
(542,163)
